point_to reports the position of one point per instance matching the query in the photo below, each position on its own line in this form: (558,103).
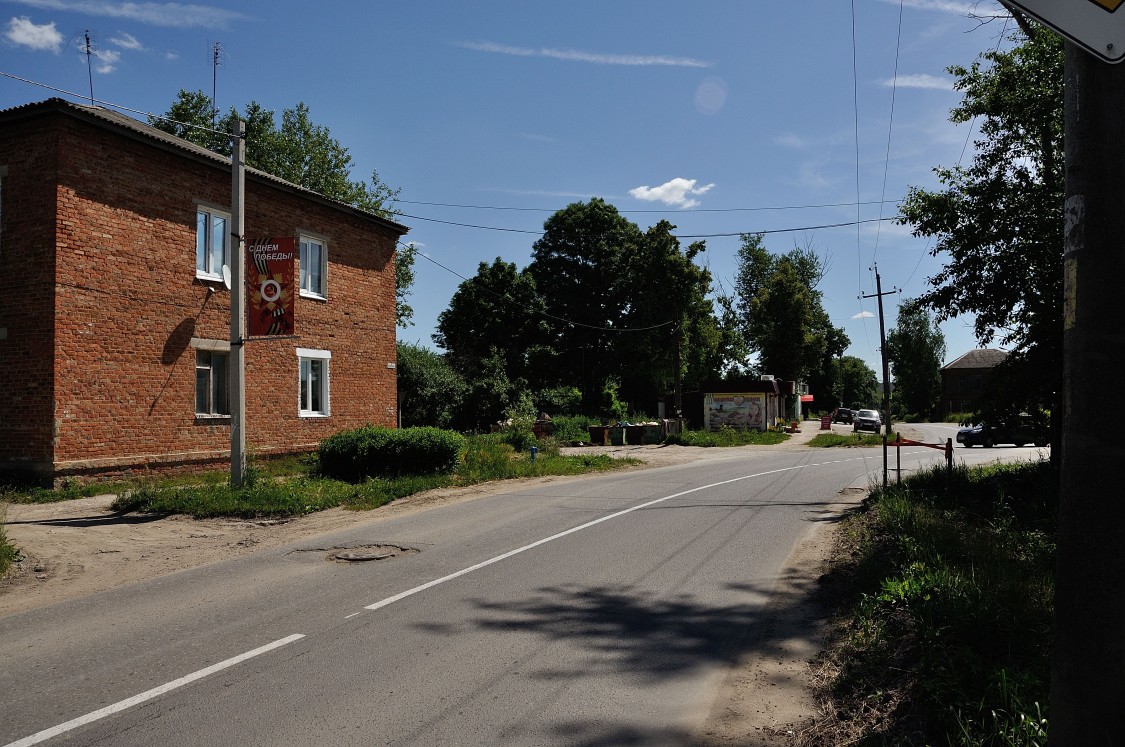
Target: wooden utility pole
(1088,664)
(886,368)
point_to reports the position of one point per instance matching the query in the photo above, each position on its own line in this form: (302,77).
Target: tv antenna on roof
(89,51)
(216,60)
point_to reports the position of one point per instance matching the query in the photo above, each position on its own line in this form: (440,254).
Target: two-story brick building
(115,321)
(965,380)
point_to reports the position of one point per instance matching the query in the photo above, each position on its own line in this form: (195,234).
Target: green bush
(371,451)
(574,428)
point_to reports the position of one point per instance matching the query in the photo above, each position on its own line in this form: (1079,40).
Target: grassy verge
(851,439)
(726,436)
(485,459)
(944,603)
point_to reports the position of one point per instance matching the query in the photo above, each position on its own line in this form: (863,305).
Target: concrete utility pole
(237,304)
(1088,665)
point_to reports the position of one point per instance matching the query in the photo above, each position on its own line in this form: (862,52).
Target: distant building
(114,316)
(964,380)
(741,403)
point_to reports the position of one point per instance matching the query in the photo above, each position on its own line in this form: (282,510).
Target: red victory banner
(269,286)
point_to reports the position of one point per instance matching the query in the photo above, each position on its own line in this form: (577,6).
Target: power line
(671,211)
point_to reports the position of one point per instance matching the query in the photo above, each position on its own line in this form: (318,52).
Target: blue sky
(722,116)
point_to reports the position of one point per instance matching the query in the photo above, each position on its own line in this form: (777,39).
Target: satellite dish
(226,277)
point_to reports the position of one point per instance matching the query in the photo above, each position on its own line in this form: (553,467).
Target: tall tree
(581,268)
(856,385)
(299,150)
(916,349)
(1000,220)
(782,316)
(673,318)
(495,324)
(429,390)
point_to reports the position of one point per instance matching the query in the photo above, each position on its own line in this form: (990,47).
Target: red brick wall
(27,220)
(128,304)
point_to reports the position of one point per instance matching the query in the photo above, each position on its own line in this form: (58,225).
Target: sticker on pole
(1098,26)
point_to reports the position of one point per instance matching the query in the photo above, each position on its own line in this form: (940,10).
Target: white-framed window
(314,267)
(212,383)
(212,242)
(314,392)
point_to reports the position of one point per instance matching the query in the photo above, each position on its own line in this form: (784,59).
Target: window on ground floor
(212,391)
(314,400)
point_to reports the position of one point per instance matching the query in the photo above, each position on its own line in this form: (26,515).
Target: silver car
(867,420)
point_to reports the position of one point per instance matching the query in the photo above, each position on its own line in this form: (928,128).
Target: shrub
(370,451)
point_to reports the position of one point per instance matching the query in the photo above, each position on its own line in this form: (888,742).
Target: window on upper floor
(212,243)
(314,267)
(212,390)
(313,364)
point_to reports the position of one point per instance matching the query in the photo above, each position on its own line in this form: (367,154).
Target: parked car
(842,415)
(1020,432)
(867,420)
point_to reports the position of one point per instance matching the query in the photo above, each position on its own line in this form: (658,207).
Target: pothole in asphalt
(359,553)
(367,553)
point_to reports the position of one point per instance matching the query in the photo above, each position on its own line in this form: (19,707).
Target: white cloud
(789,140)
(107,60)
(864,315)
(127,41)
(920,80)
(42,38)
(176,15)
(943,6)
(674,192)
(576,55)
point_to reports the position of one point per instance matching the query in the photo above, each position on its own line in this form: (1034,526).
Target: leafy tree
(404,281)
(1000,220)
(299,150)
(429,390)
(672,317)
(916,349)
(581,267)
(781,314)
(498,312)
(856,384)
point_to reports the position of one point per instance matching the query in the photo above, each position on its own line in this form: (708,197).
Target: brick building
(115,322)
(965,380)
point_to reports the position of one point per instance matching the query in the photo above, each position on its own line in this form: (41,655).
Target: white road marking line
(457,574)
(109,710)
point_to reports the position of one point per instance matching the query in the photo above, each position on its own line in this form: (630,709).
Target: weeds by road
(943,589)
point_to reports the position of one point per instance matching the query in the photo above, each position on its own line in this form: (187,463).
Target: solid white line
(54,731)
(457,574)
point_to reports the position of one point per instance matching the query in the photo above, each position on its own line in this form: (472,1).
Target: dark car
(867,420)
(842,415)
(1019,432)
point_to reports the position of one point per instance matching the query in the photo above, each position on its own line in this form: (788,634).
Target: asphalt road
(591,611)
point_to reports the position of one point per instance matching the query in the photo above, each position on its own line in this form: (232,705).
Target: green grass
(851,439)
(945,601)
(302,491)
(727,436)
(8,552)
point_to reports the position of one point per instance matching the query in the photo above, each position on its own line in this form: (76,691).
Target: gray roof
(979,358)
(129,126)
